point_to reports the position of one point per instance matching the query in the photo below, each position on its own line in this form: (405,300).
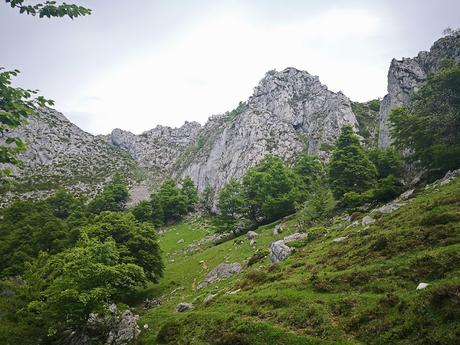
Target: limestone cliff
(405,77)
(59,154)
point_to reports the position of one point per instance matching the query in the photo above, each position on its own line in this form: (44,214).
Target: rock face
(59,154)
(407,75)
(290,112)
(158,148)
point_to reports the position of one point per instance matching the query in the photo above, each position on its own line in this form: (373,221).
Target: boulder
(251,235)
(388,208)
(422,286)
(295,237)
(126,330)
(209,298)
(279,251)
(181,307)
(152,303)
(222,271)
(277,229)
(252,242)
(339,239)
(367,220)
(181,241)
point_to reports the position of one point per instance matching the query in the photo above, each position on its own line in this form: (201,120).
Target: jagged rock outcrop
(290,112)
(405,77)
(157,148)
(59,154)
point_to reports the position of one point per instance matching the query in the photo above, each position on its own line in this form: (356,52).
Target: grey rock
(209,298)
(252,242)
(422,286)
(60,152)
(180,241)
(251,235)
(295,237)
(279,251)
(152,303)
(367,220)
(407,75)
(407,194)
(126,330)
(277,229)
(339,239)
(220,272)
(181,307)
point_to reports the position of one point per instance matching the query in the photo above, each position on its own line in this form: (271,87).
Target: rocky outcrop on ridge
(60,154)
(290,112)
(407,75)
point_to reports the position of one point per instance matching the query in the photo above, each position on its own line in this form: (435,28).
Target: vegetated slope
(61,155)
(360,290)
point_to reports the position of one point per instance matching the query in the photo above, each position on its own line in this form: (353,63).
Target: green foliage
(113,198)
(190,192)
(318,205)
(430,129)
(232,115)
(136,242)
(157,210)
(50,9)
(173,201)
(206,199)
(30,227)
(64,289)
(367,115)
(231,201)
(142,211)
(311,171)
(388,162)
(16,105)
(271,190)
(350,169)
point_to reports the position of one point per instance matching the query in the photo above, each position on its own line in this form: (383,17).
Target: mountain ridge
(289,113)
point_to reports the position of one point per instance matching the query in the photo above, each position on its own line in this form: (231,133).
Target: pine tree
(350,169)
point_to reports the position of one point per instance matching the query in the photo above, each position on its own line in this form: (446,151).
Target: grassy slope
(362,290)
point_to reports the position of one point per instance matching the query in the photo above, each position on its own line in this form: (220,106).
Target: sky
(141,63)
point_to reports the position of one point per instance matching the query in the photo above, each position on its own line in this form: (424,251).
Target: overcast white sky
(135,64)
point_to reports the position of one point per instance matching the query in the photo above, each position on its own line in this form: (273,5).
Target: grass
(360,291)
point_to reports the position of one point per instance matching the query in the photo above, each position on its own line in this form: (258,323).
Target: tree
(270,189)
(231,201)
(429,129)
(113,197)
(319,204)
(50,9)
(157,210)
(136,242)
(173,202)
(388,162)
(142,211)
(350,169)
(206,199)
(190,192)
(64,289)
(27,228)
(311,172)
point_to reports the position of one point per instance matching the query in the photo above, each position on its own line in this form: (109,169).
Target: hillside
(360,290)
